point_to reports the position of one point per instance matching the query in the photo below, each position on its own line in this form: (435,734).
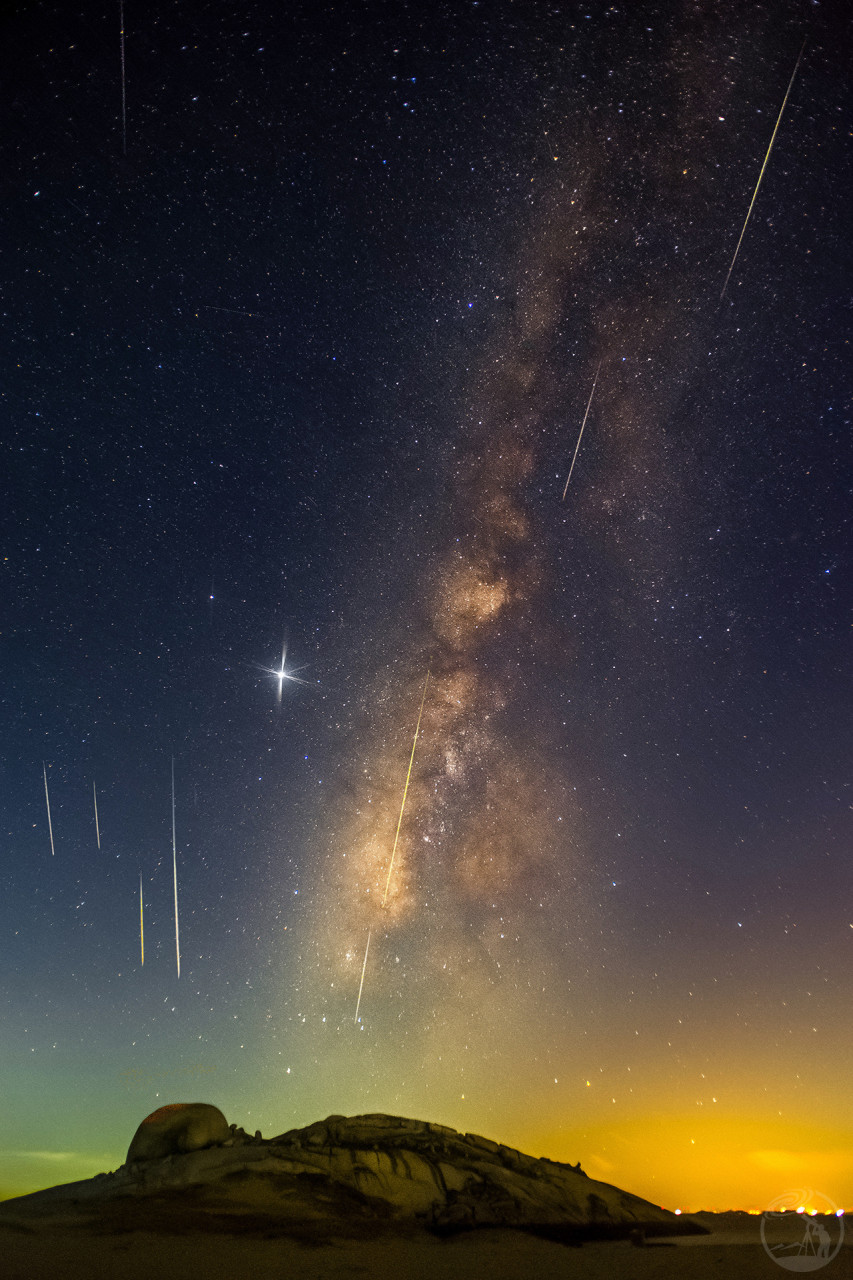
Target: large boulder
(177,1129)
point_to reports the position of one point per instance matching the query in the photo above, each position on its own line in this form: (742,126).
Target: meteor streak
(405,792)
(396,838)
(47,800)
(234,311)
(175,871)
(97,827)
(141,923)
(123,80)
(583,424)
(761,174)
(361,984)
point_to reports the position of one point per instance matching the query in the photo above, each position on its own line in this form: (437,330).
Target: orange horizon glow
(728,1164)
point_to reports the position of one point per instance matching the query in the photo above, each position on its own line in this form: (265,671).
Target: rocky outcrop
(406,1170)
(346,1176)
(177,1129)
(432,1172)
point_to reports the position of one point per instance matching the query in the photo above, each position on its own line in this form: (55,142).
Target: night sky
(304,369)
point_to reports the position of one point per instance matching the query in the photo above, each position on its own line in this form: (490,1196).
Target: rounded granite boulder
(176,1129)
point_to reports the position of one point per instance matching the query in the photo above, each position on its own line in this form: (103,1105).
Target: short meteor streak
(763,167)
(47,800)
(141,924)
(405,792)
(361,984)
(97,827)
(583,424)
(175,871)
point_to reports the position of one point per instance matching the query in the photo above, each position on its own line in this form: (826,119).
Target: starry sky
(295,359)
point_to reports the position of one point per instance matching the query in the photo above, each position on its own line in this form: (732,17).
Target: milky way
(491,822)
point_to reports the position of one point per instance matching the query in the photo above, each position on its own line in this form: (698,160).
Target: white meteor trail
(97,826)
(761,174)
(123,80)
(583,424)
(361,984)
(175,871)
(47,801)
(141,923)
(405,791)
(396,839)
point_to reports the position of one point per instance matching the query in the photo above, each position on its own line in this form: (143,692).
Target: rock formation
(451,1180)
(177,1129)
(346,1176)
(398,1169)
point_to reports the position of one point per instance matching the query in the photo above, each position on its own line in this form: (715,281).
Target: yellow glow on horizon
(719,1163)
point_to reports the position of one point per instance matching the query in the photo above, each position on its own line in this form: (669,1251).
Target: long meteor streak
(141,923)
(47,800)
(396,839)
(405,792)
(97,827)
(583,424)
(175,871)
(763,167)
(123,80)
(361,984)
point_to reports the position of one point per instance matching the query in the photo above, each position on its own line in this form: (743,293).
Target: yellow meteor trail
(141,922)
(405,792)
(97,828)
(47,801)
(361,984)
(761,174)
(583,424)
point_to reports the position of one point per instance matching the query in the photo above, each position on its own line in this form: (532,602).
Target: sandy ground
(29,1251)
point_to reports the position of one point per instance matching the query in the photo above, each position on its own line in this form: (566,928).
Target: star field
(310,361)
